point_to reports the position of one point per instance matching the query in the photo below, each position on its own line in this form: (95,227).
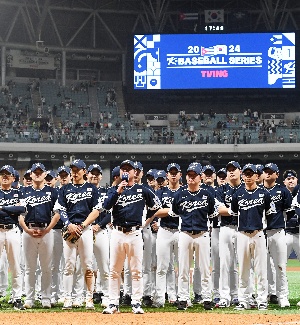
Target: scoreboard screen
(214,61)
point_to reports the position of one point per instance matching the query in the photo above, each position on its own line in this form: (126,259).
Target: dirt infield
(91,318)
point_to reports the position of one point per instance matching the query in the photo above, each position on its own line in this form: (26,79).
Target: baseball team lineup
(217,238)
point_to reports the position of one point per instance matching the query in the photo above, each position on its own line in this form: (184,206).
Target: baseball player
(221,176)
(167,236)
(227,237)
(78,208)
(150,177)
(27,180)
(51,178)
(208,178)
(193,205)
(10,237)
(149,236)
(127,201)
(101,240)
(250,204)
(275,232)
(57,292)
(290,180)
(38,240)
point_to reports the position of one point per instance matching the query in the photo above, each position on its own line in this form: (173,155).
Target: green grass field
(294,287)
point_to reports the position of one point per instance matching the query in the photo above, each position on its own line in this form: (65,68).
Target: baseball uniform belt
(127,229)
(251,233)
(37,225)
(192,232)
(10,226)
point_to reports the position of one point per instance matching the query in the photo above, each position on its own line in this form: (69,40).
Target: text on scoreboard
(202,61)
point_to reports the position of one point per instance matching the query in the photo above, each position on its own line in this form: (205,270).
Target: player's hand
(121,186)
(155,226)
(96,228)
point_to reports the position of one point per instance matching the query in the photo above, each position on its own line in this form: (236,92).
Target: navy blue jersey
(215,221)
(105,216)
(282,199)
(77,201)
(39,203)
(9,197)
(194,209)
(250,207)
(223,198)
(166,196)
(127,208)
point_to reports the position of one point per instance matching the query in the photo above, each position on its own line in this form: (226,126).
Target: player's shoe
(273,299)
(284,302)
(197,299)
(137,309)
(298,304)
(61,300)
(234,301)
(18,305)
(182,305)
(46,304)
(28,305)
(223,303)
(53,302)
(77,303)
(111,309)
(97,297)
(67,304)
(126,300)
(252,303)
(241,306)
(216,300)
(89,304)
(262,306)
(147,301)
(208,305)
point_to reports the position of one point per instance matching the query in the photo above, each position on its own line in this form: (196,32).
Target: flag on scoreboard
(214,16)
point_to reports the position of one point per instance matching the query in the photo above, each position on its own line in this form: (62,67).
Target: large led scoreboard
(214,61)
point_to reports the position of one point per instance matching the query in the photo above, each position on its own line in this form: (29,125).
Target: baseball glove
(68,236)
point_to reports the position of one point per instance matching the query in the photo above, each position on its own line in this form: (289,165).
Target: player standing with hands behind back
(251,204)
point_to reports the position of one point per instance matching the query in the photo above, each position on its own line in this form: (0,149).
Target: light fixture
(148,157)
(132,157)
(219,156)
(249,156)
(101,157)
(37,156)
(266,156)
(65,156)
(52,156)
(208,156)
(117,157)
(164,157)
(86,156)
(295,155)
(235,156)
(10,155)
(179,157)
(281,155)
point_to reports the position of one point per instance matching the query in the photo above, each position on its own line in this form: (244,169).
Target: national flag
(214,16)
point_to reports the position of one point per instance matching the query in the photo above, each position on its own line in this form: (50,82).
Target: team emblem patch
(260,195)
(89,189)
(139,190)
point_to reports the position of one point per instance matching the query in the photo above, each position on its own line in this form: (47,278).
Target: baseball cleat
(208,305)
(137,309)
(262,307)
(223,303)
(273,299)
(111,309)
(241,306)
(182,305)
(67,304)
(18,305)
(89,304)
(284,302)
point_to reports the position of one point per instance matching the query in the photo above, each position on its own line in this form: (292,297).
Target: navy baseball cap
(195,169)
(272,166)
(94,166)
(127,162)
(160,173)
(289,173)
(36,166)
(250,167)
(260,168)
(115,171)
(138,165)
(9,169)
(151,172)
(208,167)
(222,171)
(196,164)
(173,165)
(78,163)
(63,169)
(28,172)
(51,173)
(234,164)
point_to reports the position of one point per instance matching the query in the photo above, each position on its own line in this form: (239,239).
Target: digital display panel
(214,61)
